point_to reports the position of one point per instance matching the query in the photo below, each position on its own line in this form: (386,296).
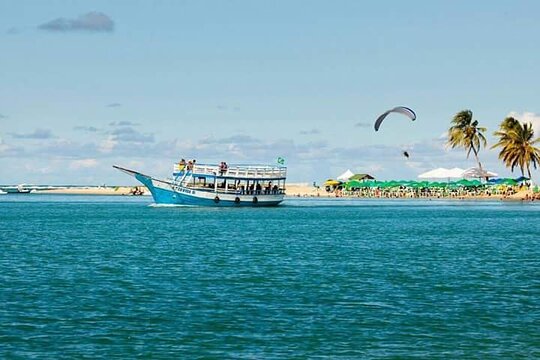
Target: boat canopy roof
(240,172)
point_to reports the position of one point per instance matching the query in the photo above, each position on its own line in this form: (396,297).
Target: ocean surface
(113,277)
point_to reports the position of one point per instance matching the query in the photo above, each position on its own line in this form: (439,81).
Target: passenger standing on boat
(223,167)
(258,188)
(182,165)
(251,189)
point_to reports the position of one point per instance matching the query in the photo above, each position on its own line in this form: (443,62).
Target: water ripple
(312,279)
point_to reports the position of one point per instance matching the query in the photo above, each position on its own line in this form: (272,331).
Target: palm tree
(466,133)
(517,145)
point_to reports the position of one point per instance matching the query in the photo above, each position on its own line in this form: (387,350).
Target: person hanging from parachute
(399,110)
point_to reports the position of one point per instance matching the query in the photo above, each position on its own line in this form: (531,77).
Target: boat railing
(237,191)
(240,171)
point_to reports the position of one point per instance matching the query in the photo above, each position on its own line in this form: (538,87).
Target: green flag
(280,160)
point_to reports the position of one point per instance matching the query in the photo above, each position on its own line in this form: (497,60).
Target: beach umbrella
(437,173)
(371,184)
(353,184)
(456,173)
(442,173)
(521,179)
(331,182)
(462,182)
(509,182)
(475,172)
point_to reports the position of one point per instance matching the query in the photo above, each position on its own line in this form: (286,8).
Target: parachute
(400,110)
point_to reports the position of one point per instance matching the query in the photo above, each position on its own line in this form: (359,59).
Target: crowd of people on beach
(463,192)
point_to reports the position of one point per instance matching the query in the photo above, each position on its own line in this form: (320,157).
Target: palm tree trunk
(477,159)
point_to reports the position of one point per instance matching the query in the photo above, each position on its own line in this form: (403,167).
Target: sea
(96,277)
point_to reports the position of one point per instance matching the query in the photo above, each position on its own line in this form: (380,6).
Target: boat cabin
(233,179)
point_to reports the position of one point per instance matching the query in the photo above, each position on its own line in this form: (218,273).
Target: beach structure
(345,176)
(361,177)
(475,172)
(217,185)
(442,173)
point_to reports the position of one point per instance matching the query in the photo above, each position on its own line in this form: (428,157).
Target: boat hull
(167,193)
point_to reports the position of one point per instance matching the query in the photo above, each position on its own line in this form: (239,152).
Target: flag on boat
(280,160)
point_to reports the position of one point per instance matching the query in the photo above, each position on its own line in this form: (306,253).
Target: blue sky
(85,85)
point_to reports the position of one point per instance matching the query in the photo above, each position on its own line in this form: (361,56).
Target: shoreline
(292,191)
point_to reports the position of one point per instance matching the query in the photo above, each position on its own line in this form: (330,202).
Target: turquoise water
(111,277)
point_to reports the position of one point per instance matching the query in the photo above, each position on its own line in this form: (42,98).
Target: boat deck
(247,172)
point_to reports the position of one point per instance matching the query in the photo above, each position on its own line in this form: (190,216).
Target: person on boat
(182,165)
(268,189)
(258,188)
(223,167)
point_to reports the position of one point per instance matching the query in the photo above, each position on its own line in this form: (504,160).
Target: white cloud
(107,145)
(38,134)
(83,164)
(7,150)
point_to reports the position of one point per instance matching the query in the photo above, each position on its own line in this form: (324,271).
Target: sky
(87,85)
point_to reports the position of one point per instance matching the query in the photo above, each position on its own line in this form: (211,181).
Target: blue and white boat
(213,185)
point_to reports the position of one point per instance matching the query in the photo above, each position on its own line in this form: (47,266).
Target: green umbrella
(509,182)
(353,184)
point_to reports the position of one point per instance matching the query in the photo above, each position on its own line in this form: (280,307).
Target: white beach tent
(456,173)
(475,172)
(345,176)
(442,173)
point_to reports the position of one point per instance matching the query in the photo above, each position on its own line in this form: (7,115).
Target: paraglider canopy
(400,110)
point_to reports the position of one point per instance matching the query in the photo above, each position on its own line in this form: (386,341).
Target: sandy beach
(304,190)
(98,190)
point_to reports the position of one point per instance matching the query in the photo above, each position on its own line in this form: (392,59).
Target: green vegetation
(516,141)
(466,133)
